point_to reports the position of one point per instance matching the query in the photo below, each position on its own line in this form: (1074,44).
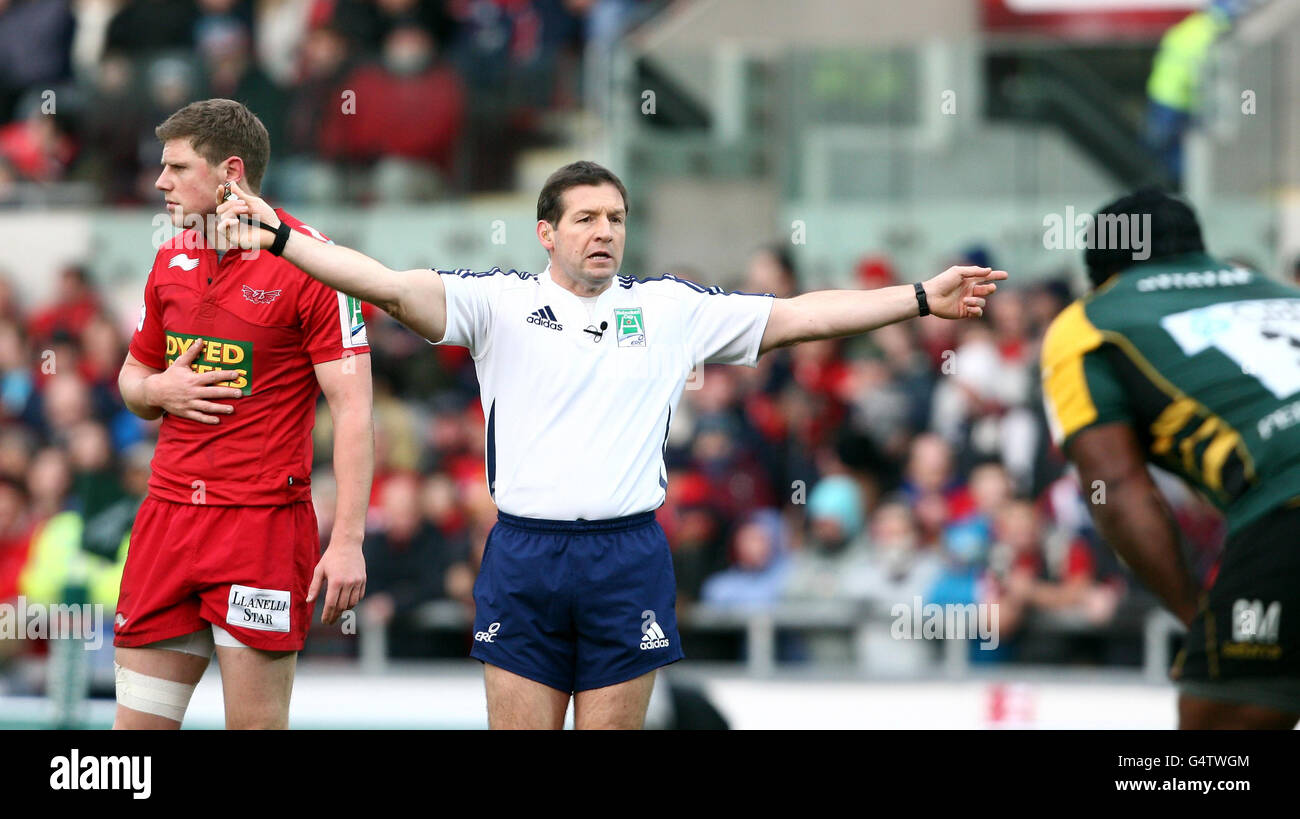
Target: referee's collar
(547,279)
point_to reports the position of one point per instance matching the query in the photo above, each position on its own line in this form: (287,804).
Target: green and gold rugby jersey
(1202,359)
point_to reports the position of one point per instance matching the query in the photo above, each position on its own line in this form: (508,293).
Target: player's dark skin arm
(1135,519)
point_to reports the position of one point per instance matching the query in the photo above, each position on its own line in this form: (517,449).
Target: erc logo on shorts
(488,636)
(652,636)
(217,354)
(261,609)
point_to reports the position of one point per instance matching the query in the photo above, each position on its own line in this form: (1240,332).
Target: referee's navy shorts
(576,605)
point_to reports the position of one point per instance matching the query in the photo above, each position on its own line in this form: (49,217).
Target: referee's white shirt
(578,422)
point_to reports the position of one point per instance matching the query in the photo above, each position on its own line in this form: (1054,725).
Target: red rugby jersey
(270,322)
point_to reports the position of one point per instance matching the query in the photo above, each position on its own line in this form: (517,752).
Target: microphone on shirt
(597,335)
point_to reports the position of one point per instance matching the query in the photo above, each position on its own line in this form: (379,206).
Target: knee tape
(151,695)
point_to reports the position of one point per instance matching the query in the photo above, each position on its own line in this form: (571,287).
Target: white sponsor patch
(1262,336)
(351,324)
(262,609)
(183,262)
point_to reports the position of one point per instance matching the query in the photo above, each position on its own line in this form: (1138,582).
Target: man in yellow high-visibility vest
(1173,89)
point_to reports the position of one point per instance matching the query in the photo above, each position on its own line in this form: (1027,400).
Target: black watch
(281,232)
(920,298)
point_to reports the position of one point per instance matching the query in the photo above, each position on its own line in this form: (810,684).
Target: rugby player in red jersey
(233,349)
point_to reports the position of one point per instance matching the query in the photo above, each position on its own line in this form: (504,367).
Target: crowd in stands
(375,100)
(911,462)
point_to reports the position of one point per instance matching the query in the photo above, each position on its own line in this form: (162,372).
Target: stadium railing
(1154,628)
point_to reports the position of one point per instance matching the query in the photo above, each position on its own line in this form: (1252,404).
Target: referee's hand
(244,221)
(959,292)
(181,392)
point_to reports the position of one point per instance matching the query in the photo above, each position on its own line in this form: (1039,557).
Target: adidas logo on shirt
(652,636)
(545,318)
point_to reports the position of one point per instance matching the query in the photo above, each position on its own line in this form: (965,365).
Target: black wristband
(282,232)
(920,299)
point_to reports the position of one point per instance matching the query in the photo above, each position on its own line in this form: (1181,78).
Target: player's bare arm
(342,569)
(177,390)
(1135,519)
(958,292)
(414,297)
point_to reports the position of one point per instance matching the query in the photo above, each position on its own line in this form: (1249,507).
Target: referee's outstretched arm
(414,297)
(417,298)
(958,292)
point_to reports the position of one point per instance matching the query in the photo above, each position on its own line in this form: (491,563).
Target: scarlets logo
(260,296)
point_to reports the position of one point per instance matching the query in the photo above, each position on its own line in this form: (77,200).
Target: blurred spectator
(836,548)
(38,146)
(1038,573)
(226,48)
(221,14)
(65,403)
(170,82)
(898,570)
(17,446)
(419,555)
(75,304)
(314,119)
(441,506)
(510,54)
(984,406)
(771,270)
(760,569)
(696,532)
(35,48)
(48,483)
(369,22)
(144,27)
(15,536)
(408,116)
(500,42)
(930,472)
(735,478)
(9,306)
(103,351)
(116,126)
(97,486)
(16,385)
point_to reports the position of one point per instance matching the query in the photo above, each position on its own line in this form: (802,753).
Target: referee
(579,370)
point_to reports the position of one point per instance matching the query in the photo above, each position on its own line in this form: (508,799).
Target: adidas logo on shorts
(652,636)
(545,318)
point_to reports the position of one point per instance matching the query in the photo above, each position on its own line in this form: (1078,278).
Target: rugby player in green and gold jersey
(1192,364)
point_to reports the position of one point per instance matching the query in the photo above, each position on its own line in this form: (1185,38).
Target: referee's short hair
(218,129)
(550,204)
